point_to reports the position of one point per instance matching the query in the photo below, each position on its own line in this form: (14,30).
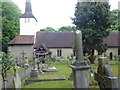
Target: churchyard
(64,71)
(44,72)
(27,54)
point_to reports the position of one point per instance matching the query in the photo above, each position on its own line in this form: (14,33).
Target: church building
(58,44)
(23,43)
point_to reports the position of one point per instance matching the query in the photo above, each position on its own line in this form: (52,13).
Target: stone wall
(66,52)
(18,49)
(113,50)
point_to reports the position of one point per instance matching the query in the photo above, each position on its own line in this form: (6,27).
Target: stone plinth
(80,67)
(80,76)
(112,83)
(34,73)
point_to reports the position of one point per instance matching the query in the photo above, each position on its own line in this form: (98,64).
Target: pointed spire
(28,7)
(28,11)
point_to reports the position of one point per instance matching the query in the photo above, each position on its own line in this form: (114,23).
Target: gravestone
(17,82)
(34,72)
(39,68)
(80,67)
(1,82)
(26,60)
(104,75)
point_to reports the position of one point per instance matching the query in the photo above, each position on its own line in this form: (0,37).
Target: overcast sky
(54,13)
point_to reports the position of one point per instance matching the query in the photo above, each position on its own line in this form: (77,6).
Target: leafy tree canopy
(61,29)
(93,18)
(48,29)
(115,25)
(10,22)
(67,29)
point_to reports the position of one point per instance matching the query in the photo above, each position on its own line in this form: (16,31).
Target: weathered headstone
(26,64)
(34,72)
(26,60)
(104,75)
(1,82)
(80,67)
(112,82)
(17,82)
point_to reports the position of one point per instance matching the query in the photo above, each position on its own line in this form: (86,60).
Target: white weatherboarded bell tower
(28,23)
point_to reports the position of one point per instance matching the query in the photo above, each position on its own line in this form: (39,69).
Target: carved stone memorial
(17,82)
(80,67)
(34,72)
(104,75)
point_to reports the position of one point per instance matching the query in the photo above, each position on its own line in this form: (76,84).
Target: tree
(67,29)
(93,19)
(115,25)
(10,23)
(6,62)
(48,29)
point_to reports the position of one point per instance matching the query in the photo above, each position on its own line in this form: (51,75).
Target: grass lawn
(63,70)
(11,72)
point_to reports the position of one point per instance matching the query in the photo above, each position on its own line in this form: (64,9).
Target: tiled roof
(54,39)
(113,40)
(22,40)
(27,15)
(60,40)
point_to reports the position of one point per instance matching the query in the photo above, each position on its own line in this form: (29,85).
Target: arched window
(111,55)
(118,50)
(59,52)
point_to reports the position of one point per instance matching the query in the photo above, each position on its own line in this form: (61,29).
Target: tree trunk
(4,74)
(3,83)
(93,52)
(92,58)
(3,77)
